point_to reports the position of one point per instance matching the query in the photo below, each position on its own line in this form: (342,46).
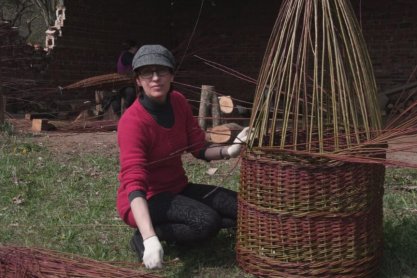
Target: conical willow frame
(316,85)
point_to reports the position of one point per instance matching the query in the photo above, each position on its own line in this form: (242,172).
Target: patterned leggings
(191,215)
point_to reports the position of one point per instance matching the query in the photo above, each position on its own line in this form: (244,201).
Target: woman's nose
(155,75)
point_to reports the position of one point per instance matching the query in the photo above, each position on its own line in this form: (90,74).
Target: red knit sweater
(150,155)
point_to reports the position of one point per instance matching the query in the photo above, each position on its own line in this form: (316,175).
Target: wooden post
(2,105)
(122,106)
(205,100)
(215,109)
(99,97)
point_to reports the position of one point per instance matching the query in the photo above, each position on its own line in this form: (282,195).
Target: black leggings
(191,215)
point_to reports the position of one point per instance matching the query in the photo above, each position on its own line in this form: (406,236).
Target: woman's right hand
(153,255)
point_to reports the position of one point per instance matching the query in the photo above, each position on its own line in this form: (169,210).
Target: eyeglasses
(147,73)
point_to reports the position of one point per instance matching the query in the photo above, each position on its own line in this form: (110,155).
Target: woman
(154,194)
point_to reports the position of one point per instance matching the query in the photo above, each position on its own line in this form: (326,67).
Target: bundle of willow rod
(89,126)
(37,263)
(101,81)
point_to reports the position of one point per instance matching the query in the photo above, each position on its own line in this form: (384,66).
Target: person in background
(155,196)
(39,62)
(124,66)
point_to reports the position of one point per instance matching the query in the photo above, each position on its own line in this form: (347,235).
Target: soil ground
(71,142)
(104,143)
(402,149)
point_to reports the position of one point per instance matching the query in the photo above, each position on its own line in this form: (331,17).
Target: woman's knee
(208,224)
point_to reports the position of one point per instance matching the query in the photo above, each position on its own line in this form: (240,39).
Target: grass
(67,203)
(400,225)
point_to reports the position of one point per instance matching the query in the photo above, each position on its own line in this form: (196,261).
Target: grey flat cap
(153,55)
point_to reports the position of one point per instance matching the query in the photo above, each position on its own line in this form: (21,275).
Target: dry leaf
(212,171)
(18,200)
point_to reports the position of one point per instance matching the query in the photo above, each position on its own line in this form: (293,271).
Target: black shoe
(136,244)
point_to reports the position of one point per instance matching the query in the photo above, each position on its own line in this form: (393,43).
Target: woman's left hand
(234,149)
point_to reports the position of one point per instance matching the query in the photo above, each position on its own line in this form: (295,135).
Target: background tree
(47,9)
(32,17)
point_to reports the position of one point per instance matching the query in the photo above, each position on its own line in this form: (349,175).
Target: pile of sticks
(35,262)
(400,98)
(111,80)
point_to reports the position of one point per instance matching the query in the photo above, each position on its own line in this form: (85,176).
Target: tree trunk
(225,134)
(226,104)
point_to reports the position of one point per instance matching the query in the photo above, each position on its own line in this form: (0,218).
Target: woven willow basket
(303,217)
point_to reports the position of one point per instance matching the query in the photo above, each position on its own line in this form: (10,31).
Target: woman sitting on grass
(155,196)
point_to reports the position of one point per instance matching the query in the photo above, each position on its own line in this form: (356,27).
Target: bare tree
(28,15)
(14,11)
(47,9)
(29,23)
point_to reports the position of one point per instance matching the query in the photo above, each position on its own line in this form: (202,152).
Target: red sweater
(150,155)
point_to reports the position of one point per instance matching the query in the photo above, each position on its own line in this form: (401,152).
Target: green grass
(400,226)
(67,203)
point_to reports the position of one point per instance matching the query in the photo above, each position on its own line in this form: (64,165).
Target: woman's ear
(138,82)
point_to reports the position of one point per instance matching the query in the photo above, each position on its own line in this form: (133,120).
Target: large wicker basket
(304,217)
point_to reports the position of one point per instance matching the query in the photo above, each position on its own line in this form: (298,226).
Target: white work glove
(153,255)
(234,149)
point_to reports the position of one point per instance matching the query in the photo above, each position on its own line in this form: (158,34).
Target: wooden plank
(39,125)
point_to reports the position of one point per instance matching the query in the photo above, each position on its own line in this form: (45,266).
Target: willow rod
(316,77)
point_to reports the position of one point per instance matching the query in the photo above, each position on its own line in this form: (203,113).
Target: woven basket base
(266,267)
(272,245)
(309,220)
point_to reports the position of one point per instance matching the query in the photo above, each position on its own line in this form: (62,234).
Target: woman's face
(155,81)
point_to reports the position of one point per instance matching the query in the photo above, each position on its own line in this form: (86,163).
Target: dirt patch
(103,143)
(402,149)
(71,142)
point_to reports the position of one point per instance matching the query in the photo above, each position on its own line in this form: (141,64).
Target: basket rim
(302,159)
